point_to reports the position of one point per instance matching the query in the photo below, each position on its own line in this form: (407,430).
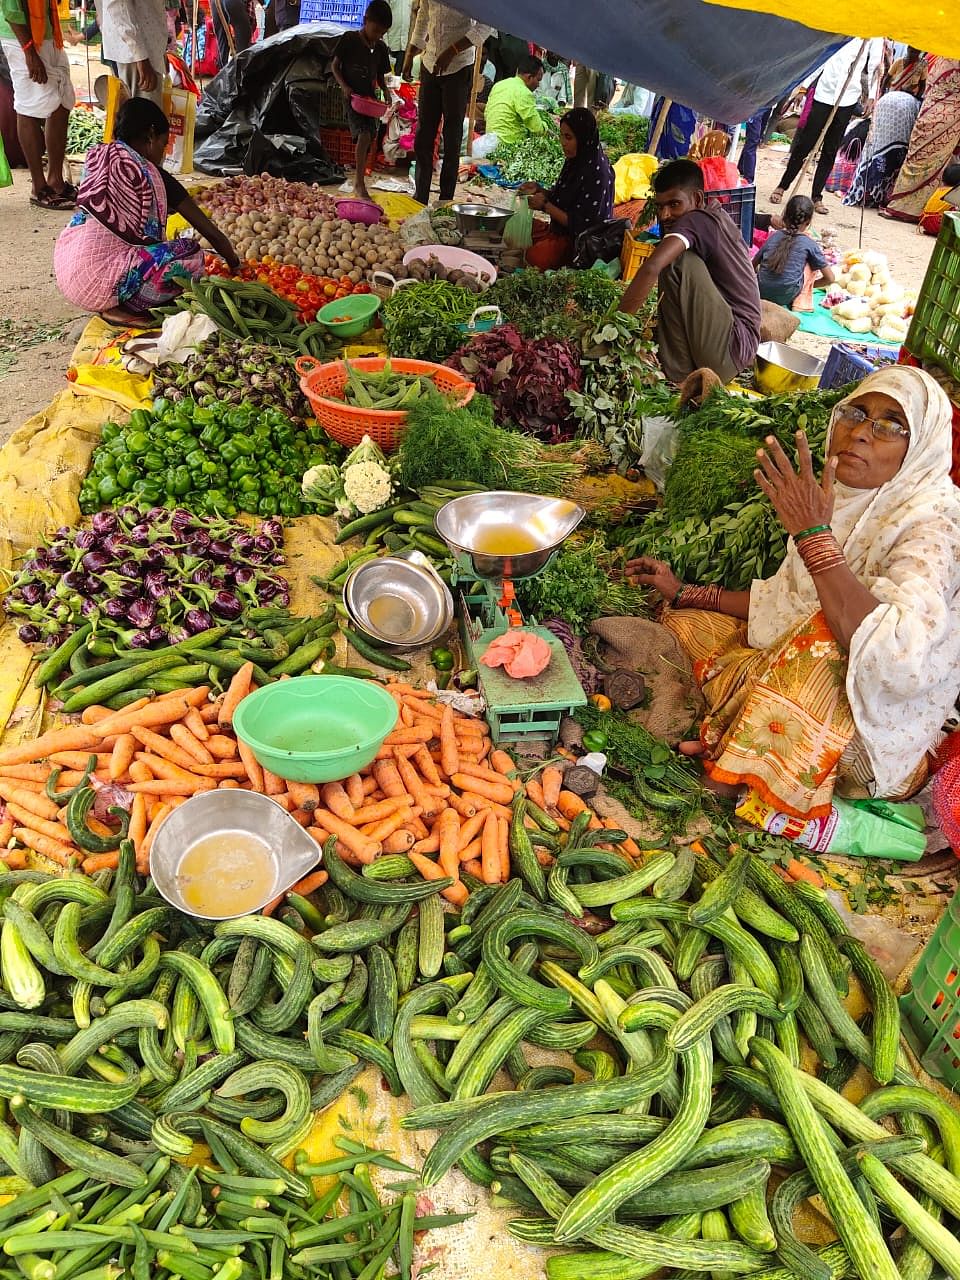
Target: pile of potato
(318,246)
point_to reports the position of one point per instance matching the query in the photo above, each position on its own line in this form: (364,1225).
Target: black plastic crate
(741,204)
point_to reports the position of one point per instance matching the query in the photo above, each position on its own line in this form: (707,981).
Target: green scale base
(518,709)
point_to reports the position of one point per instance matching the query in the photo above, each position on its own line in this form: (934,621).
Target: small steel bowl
(479,219)
(781,368)
(212,813)
(399,601)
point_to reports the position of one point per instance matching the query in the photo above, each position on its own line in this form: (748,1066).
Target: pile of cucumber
(686,991)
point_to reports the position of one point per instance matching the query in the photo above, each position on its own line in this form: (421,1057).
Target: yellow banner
(931,27)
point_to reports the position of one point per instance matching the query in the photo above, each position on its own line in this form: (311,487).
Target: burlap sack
(696,386)
(676,704)
(777,324)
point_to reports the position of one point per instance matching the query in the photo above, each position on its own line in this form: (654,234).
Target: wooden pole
(854,66)
(661,124)
(474,90)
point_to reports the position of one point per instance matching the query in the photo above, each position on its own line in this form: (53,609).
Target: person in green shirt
(511,110)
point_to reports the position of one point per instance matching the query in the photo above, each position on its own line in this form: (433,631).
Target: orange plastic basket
(323,385)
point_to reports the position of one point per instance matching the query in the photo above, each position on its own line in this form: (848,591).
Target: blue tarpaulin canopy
(724,63)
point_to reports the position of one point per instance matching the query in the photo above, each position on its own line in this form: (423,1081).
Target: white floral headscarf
(903,543)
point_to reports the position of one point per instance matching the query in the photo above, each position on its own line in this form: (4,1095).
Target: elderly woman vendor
(840,669)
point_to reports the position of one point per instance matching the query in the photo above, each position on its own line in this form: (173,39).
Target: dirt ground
(38,327)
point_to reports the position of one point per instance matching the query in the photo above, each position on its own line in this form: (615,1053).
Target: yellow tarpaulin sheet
(932,27)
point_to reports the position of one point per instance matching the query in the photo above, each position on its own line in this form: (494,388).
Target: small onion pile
(266,195)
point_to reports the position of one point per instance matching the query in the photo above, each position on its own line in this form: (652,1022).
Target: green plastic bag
(6,177)
(518,232)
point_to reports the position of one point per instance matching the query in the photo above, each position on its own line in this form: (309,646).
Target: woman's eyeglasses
(883,428)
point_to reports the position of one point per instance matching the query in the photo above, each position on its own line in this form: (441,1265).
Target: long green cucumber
(723,1001)
(885,1037)
(622,1130)
(854,1225)
(208,992)
(76,1152)
(791,904)
(604,893)
(89,1097)
(519,987)
(748,1217)
(641,1169)
(940,1243)
(272,1075)
(721,892)
(907,1098)
(365,889)
(603,1265)
(129,1016)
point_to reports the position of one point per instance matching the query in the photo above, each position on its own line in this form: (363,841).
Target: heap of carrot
(437,791)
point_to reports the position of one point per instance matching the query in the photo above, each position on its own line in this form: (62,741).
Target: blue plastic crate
(347,12)
(847,363)
(740,203)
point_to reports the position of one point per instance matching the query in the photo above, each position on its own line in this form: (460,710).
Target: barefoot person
(114,257)
(709,303)
(839,671)
(361,64)
(42,94)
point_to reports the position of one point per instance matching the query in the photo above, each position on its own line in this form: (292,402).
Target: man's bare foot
(776,197)
(693,747)
(361,192)
(729,790)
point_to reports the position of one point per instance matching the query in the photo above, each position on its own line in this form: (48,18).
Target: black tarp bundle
(263,112)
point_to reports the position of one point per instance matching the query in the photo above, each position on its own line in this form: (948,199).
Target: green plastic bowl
(360,307)
(315,728)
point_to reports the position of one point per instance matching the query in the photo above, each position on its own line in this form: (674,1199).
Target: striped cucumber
(272,1075)
(431,939)
(698,1021)
(602,893)
(382,993)
(518,986)
(748,1217)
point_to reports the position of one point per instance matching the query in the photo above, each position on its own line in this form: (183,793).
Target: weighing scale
(499,538)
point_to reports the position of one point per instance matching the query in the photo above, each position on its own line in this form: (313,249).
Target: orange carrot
(379,831)
(57,850)
(570,804)
(455,893)
(470,829)
(228,784)
(382,809)
(171,787)
(482,803)
(486,746)
(628,846)
(551,779)
(388,778)
(418,827)
(221,747)
(154,716)
(77,759)
(254,772)
(122,755)
(399,841)
(448,829)
(140,771)
(365,849)
(798,870)
(503,843)
(91,715)
(138,821)
(406,737)
(423,760)
(500,792)
(414,784)
(484,774)
(406,715)
(474,867)
(157,745)
(305,794)
(315,880)
(427,844)
(449,752)
(273,784)
(13,859)
(370,784)
(319,834)
(302,816)
(6,830)
(463,805)
(354,789)
(30,773)
(545,859)
(272,905)
(334,797)
(699,847)
(161,768)
(237,690)
(490,849)
(31,800)
(75,738)
(26,817)
(222,769)
(194,748)
(194,698)
(101,862)
(195,723)
(209,711)
(472,851)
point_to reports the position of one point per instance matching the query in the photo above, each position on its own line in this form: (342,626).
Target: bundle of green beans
(425,321)
(209,1222)
(242,309)
(686,987)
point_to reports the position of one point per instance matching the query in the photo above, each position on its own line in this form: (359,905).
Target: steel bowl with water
(211,813)
(400,601)
(781,368)
(469,524)
(480,219)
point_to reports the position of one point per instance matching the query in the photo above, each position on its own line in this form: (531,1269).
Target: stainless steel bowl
(400,601)
(480,219)
(213,813)
(780,368)
(474,523)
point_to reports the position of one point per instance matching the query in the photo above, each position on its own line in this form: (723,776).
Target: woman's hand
(538,200)
(654,573)
(798,499)
(529,188)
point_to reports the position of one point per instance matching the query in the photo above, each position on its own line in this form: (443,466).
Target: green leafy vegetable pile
(535,158)
(441,440)
(423,320)
(622,135)
(84,131)
(559,304)
(618,368)
(580,585)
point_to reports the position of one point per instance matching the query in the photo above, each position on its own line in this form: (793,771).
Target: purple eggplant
(201,576)
(30,634)
(75,580)
(115,610)
(157,515)
(265,544)
(277,558)
(226,605)
(141,534)
(32,593)
(89,607)
(181,522)
(141,612)
(198,544)
(267,591)
(57,558)
(86,540)
(158,587)
(273,529)
(220,550)
(243,576)
(137,639)
(128,514)
(105,522)
(129,569)
(97,561)
(153,558)
(157,634)
(244,543)
(197,620)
